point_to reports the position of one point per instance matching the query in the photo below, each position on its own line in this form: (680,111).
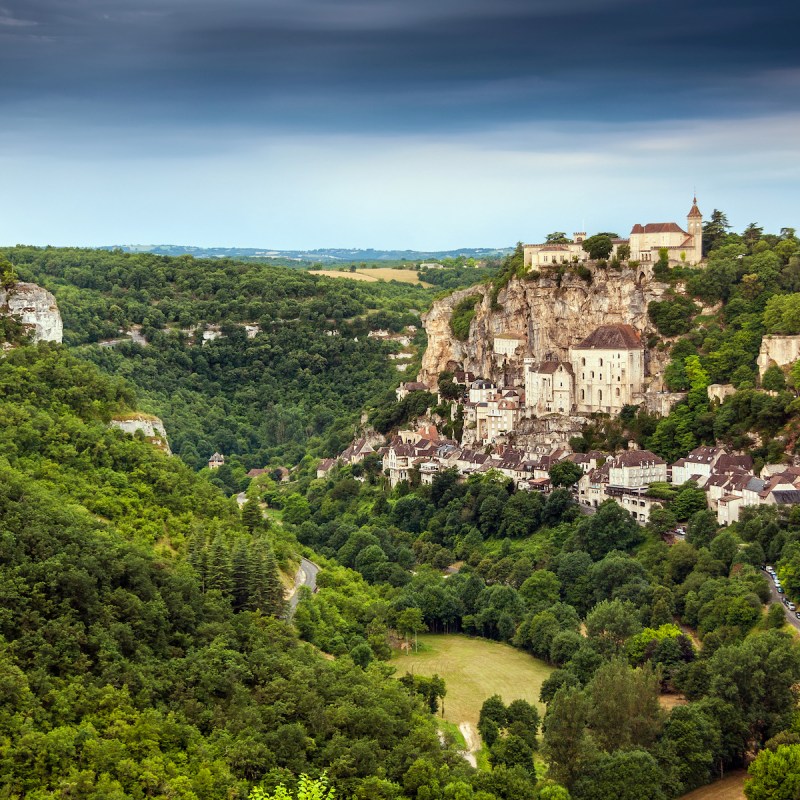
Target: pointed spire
(694,211)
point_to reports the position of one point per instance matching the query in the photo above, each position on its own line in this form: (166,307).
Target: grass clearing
(731,787)
(333,273)
(474,669)
(375,274)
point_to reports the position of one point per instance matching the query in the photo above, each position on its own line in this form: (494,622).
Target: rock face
(36,308)
(778,350)
(152,428)
(547,317)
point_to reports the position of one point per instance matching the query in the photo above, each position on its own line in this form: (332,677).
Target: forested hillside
(136,659)
(298,386)
(669,670)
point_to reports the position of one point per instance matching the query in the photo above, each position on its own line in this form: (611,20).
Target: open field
(474,669)
(332,273)
(731,787)
(376,274)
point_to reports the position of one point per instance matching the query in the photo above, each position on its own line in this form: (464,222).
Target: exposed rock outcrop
(152,428)
(36,308)
(547,317)
(778,350)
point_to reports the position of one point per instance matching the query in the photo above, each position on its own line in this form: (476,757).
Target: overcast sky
(425,124)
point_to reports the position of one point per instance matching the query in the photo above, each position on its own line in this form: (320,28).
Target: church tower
(695,230)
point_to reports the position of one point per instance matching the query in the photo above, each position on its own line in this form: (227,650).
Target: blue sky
(380,123)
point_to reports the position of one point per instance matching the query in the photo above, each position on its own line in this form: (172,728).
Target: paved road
(306,576)
(778,598)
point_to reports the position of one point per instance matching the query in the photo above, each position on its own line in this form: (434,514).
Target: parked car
(780,590)
(791,605)
(770,569)
(797,614)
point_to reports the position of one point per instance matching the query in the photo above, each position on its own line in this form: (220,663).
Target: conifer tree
(252,516)
(242,576)
(220,569)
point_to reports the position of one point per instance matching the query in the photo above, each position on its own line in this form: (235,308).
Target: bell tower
(694,220)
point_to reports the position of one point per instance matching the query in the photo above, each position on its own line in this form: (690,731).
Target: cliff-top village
(607,370)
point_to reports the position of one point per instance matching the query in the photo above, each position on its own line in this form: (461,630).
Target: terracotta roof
(612,337)
(694,211)
(658,227)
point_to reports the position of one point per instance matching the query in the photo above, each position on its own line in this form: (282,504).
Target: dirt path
(473,742)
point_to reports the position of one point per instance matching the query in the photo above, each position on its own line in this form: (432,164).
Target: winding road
(306,576)
(778,598)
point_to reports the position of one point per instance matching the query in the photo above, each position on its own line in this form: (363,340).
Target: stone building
(605,372)
(683,246)
(609,369)
(549,386)
(551,254)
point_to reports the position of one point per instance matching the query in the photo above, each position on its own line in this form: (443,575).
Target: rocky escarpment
(35,308)
(151,427)
(545,317)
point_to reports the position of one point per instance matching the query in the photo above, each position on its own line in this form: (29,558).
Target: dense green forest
(298,386)
(144,650)
(139,654)
(622,616)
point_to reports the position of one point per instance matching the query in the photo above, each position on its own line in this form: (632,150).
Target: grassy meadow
(474,669)
(374,274)
(729,788)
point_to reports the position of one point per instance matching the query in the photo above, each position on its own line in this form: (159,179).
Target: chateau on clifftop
(683,246)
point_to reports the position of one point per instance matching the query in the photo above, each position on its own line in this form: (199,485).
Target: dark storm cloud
(383,64)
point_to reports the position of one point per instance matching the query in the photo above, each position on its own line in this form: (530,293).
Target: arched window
(617,391)
(599,396)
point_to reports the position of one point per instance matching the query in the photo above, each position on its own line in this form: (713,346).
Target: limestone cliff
(36,308)
(778,350)
(544,317)
(152,428)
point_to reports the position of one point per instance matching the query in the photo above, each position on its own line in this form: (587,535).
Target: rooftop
(612,337)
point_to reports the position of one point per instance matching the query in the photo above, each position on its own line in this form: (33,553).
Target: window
(601,362)
(583,362)
(617,391)
(583,395)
